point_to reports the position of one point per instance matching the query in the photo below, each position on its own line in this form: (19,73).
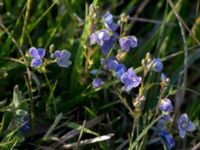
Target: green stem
(51,95)
(135,143)
(29,2)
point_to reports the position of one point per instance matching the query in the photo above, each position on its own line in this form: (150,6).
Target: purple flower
(166,118)
(97,82)
(128,42)
(108,18)
(120,69)
(164,134)
(163,77)
(104,39)
(111,63)
(99,37)
(107,45)
(157,65)
(37,55)
(130,79)
(184,125)
(166,105)
(62,58)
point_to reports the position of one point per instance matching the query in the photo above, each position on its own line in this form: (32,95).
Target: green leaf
(7,118)
(80,127)
(53,126)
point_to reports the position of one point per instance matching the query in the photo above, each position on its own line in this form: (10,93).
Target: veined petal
(41,52)
(56,54)
(33,52)
(36,62)
(191,126)
(133,41)
(93,38)
(64,62)
(108,17)
(182,133)
(65,54)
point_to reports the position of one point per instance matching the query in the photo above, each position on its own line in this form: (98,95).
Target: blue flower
(108,18)
(107,45)
(120,69)
(37,55)
(184,125)
(130,79)
(164,134)
(128,42)
(157,65)
(99,37)
(62,58)
(97,82)
(166,118)
(110,64)
(166,105)
(163,77)
(103,39)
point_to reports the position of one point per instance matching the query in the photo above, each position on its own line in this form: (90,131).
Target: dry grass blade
(196,147)
(89,141)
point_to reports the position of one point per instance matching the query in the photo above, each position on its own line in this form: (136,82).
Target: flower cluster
(62,57)
(111,67)
(166,107)
(106,38)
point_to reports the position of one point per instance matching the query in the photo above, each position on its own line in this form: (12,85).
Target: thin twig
(178,53)
(138,11)
(182,21)
(181,93)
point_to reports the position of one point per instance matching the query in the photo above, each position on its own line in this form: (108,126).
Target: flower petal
(65,54)
(108,17)
(107,45)
(191,126)
(36,62)
(184,117)
(97,82)
(64,63)
(124,44)
(56,54)
(93,38)
(133,41)
(41,52)
(182,133)
(33,52)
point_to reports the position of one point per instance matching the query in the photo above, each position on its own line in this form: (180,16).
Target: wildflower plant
(104,76)
(130,81)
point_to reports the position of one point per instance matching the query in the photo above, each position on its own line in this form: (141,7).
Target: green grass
(62,102)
